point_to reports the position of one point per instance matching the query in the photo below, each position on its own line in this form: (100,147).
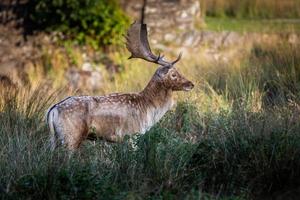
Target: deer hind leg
(58,138)
(76,136)
(72,134)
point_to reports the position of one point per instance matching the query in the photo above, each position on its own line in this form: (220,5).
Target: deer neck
(157,100)
(156,95)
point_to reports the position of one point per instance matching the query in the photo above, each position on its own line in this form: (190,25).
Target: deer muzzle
(187,86)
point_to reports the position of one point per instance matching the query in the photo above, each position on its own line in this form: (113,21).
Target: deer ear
(163,71)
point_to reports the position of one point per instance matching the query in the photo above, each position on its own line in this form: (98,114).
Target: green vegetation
(276,69)
(235,138)
(252,15)
(258,9)
(94,22)
(252,25)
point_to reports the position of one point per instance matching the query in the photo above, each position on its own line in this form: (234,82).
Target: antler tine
(138,45)
(178,58)
(158,57)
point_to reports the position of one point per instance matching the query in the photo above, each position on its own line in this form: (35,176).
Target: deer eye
(173,75)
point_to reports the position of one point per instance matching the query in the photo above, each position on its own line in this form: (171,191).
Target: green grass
(236,154)
(254,9)
(248,25)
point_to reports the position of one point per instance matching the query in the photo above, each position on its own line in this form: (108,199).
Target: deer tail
(51,118)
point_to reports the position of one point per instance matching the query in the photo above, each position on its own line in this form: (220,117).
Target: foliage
(94,22)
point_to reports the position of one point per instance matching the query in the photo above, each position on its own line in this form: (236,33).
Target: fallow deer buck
(113,116)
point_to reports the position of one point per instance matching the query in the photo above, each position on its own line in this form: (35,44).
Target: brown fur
(113,116)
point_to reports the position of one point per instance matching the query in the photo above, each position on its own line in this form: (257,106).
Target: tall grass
(253,8)
(221,141)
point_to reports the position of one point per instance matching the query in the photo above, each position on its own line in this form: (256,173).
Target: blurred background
(81,43)
(234,136)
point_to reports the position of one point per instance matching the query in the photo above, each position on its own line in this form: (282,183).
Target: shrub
(95,22)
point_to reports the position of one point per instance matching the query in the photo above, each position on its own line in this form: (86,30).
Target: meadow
(235,136)
(252,9)
(252,25)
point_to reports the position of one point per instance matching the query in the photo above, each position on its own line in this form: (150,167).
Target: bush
(94,22)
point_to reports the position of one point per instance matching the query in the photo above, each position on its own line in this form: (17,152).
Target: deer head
(166,75)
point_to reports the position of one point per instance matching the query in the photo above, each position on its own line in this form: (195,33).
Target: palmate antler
(138,45)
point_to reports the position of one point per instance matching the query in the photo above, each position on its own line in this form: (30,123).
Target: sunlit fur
(113,116)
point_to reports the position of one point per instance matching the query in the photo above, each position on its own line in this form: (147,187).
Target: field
(252,15)
(235,136)
(253,9)
(253,25)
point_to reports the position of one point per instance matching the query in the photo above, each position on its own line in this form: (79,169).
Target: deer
(111,117)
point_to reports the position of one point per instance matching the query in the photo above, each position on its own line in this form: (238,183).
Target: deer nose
(188,86)
(192,85)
